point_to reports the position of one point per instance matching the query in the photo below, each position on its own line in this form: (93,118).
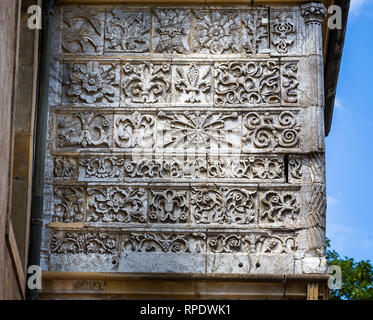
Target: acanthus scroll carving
(279,207)
(255,31)
(102,167)
(69,206)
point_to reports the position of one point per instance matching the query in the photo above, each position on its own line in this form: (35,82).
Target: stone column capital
(313,12)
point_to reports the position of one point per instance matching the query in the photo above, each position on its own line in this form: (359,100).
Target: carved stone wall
(186,140)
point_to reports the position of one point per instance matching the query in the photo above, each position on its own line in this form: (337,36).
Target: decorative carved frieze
(283,30)
(127,32)
(252,243)
(83,129)
(115,204)
(170,242)
(250,83)
(64,168)
(101,168)
(69,204)
(271,130)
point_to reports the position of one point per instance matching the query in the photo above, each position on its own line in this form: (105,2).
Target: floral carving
(251,243)
(279,207)
(290,82)
(102,167)
(70,204)
(84,129)
(135,130)
(92,83)
(127,31)
(64,167)
(84,242)
(171,28)
(266,130)
(295,168)
(224,206)
(246,168)
(283,30)
(197,129)
(247,83)
(193,83)
(216,31)
(255,31)
(165,242)
(115,204)
(83,31)
(165,168)
(146,83)
(169,206)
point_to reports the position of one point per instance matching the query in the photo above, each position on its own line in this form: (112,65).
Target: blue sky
(349,146)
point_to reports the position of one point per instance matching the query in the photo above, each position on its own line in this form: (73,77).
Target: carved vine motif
(171,28)
(83,32)
(165,168)
(283,30)
(252,243)
(92,83)
(217,31)
(84,242)
(127,32)
(84,129)
(266,130)
(115,204)
(64,167)
(279,207)
(146,83)
(135,130)
(290,82)
(196,129)
(224,206)
(192,83)
(255,32)
(102,167)
(247,168)
(165,242)
(295,168)
(247,83)
(70,204)
(169,206)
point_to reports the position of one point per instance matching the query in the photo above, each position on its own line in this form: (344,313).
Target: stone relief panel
(127,32)
(92,83)
(83,130)
(216,31)
(180,141)
(83,32)
(171,30)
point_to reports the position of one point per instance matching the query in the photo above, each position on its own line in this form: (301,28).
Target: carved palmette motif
(251,243)
(146,83)
(165,242)
(64,167)
(134,131)
(271,130)
(69,204)
(127,31)
(296,168)
(85,129)
(223,206)
(84,242)
(169,206)
(247,83)
(216,31)
(83,32)
(171,28)
(115,204)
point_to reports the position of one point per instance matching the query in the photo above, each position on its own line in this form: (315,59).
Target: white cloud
(332,200)
(356,6)
(339,105)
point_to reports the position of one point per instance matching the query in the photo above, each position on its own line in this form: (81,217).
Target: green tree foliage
(357,277)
